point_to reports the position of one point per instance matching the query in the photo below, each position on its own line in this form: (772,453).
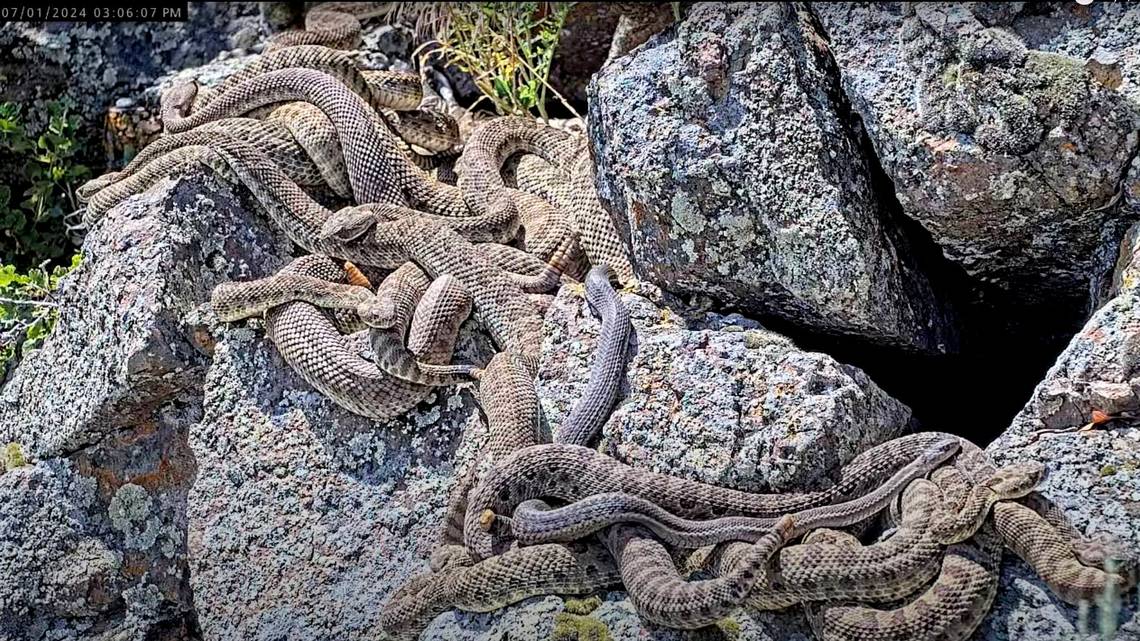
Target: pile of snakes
(481,233)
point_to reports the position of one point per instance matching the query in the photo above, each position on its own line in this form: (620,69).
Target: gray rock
(103,409)
(57,564)
(736,407)
(123,330)
(279,16)
(1000,139)
(304,516)
(86,62)
(723,152)
(391,40)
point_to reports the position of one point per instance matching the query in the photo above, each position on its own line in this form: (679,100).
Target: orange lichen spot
(1099,417)
(943,145)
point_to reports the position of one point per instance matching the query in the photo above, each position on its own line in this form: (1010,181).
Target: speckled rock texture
(103,410)
(723,151)
(1006,129)
(719,399)
(304,516)
(94,63)
(708,397)
(1093,476)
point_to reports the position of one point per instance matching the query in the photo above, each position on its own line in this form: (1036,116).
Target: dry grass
(507,47)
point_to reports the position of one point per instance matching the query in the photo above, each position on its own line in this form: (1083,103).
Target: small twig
(560,97)
(1099,419)
(34,303)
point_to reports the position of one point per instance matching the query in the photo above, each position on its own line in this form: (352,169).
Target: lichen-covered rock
(304,516)
(723,151)
(93,63)
(737,406)
(1004,130)
(56,564)
(101,411)
(717,399)
(122,338)
(1092,476)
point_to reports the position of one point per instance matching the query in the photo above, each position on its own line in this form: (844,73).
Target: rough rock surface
(103,409)
(725,402)
(304,516)
(94,63)
(1006,129)
(722,151)
(1092,476)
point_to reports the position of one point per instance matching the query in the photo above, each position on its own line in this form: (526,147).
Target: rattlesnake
(570,473)
(536,522)
(663,597)
(491,143)
(309,340)
(394,95)
(304,155)
(947,610)
(377,169)
(512,415)
(961,595)
(334,24)
(553,569)
(817,570)
(592,410)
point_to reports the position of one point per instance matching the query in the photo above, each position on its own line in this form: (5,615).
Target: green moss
(1061,82)
(1108,470)
(950,75)
(583,606)
(571,627)
(753,339)
(13,456)
(730,627)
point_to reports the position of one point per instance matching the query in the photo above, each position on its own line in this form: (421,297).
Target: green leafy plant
(507,47)
(28,311)
(45,170)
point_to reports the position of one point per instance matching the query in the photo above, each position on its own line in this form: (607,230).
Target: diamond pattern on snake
(531,517)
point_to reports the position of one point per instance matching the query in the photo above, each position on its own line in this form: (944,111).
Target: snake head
(939,452)
(599,275)
(486,520)
(378,312)
(434,131)
(348,224)
(785,527)
(1017,480)
(178,100)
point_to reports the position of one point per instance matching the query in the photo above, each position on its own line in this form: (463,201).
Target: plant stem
(34,303)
